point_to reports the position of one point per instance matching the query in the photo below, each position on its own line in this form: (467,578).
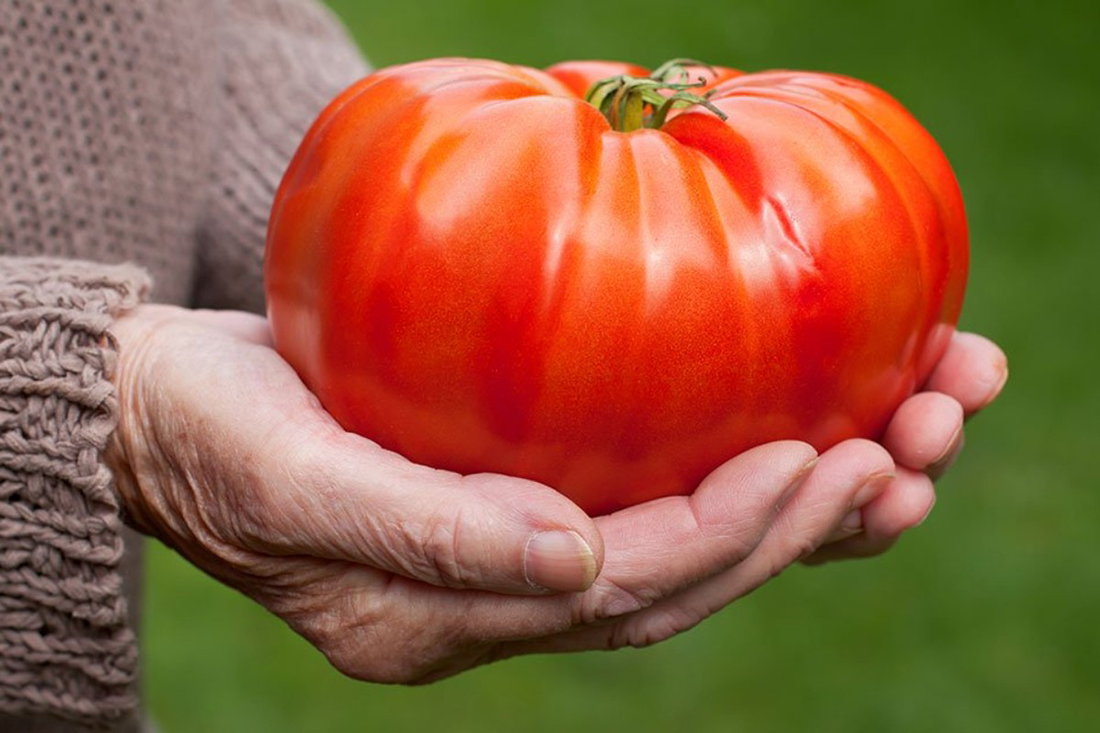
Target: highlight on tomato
(612,280)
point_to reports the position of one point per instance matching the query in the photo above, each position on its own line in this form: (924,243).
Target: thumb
(358,502)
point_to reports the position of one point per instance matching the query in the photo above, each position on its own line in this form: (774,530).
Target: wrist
(134,336)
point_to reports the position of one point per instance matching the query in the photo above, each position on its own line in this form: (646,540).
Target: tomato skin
(469,266)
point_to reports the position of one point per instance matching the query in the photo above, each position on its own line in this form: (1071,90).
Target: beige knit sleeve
(282,61)
(65,646)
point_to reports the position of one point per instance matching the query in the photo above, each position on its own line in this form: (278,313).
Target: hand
(402,573)
(924,437)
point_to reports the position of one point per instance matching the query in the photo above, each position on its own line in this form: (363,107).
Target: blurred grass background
(986,618)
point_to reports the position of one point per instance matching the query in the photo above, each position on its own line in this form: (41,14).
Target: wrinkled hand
(402,573)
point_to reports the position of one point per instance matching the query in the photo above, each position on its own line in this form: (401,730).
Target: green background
(984,619)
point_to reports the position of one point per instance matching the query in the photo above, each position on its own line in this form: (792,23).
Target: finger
(904,504)
(973,370)
(925,432)
(851,525)
(847,475)
(485,531)
(657,548)
(940,467)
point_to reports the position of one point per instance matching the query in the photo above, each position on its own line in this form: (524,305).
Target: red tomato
(467,264)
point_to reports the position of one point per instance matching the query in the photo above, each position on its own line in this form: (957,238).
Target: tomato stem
(631,103)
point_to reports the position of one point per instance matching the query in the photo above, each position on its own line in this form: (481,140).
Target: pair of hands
(402,573)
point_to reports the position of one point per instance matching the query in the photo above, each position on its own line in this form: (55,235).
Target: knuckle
(666,624)
(440,551)
(609,600)
(446,551)
(797,548)
(741,546)
(803,548)
(653,627)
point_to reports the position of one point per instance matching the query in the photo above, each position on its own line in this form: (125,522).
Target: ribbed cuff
(65,645)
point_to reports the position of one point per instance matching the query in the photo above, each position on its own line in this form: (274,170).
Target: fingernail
(927,512)
(795,483)
(853,521)
(1001,381)
(939,467)
(871,488)
(952,445)
(559,560)
(994,392)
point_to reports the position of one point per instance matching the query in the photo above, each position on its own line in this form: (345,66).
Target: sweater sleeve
(65,645)
(282,61)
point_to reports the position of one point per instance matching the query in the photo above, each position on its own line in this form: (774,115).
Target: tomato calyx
(631,103)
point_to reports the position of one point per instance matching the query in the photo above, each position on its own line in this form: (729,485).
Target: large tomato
(467,263)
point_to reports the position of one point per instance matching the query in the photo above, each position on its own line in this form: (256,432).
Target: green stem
(624,99)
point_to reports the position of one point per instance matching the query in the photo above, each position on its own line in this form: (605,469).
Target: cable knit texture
(64,641)
(145,131)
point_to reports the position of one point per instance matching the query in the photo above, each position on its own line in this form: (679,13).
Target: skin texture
(402,573)
(466,264)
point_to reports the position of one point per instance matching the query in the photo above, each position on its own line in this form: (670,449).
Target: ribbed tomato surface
(468,265)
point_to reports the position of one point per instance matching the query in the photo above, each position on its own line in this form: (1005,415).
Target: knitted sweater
(150,132)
